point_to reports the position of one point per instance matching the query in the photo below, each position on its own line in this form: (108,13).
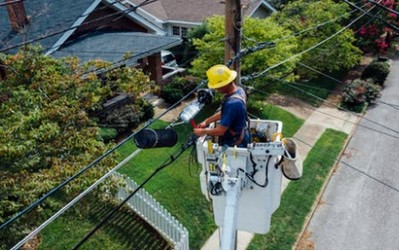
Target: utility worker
(233,115)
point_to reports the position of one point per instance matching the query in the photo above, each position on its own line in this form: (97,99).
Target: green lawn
(125,230)
(298,198)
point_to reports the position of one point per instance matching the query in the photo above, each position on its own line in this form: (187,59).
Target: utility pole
(233,23)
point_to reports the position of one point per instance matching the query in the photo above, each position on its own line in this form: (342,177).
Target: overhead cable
(384,7)
(10,2)
(367,13)
(74,201)
(97,160)
(172,158)
(340,82)
(333,116)
(47,30)
(118,13)
(305,51)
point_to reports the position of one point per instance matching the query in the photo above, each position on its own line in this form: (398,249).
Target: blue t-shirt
(234,115)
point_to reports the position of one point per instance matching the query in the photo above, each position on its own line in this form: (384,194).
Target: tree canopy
(335,54)
(294,17)
(211,46)
(46,134)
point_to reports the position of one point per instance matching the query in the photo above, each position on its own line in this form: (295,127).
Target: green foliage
(211,46)
(377,71)
(108,134)
(298,198)
(146,109)
(337,53)
(46,134)
(359,92)
(178,88)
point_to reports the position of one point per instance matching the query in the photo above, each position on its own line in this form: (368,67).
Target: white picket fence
(155,214)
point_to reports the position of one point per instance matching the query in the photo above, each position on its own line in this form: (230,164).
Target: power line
(75,200)
(173,157)
(10,2)
(96,161)
(373,122)
(69,20)
(307,50)
(366,12)
(120,13)
(29,208)
(333,116)
(384,7)
(340,82)
(151,121)
(259,46)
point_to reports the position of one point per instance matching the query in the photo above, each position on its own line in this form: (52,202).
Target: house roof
(102,45)
(194,11)
(49,17)
(46,17)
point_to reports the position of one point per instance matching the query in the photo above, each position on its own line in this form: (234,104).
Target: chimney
(17,14)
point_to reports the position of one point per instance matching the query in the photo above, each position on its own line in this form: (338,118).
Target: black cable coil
(153,138)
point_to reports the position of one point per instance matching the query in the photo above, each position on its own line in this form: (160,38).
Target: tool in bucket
(291,163)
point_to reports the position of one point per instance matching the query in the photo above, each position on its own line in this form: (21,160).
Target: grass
(299,196)
(125,230)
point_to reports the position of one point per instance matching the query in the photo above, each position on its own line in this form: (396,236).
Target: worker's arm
(219,130)
(211,119)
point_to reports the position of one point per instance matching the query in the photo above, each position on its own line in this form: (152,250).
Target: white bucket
(292,163)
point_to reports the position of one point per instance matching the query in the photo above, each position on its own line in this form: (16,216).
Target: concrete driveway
(360,206)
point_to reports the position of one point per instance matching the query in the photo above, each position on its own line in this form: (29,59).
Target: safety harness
(232,132)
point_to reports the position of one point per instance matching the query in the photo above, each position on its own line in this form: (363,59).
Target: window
(176,30)
(179,31)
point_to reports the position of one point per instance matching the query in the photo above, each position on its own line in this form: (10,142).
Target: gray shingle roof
(111,46)
(191,10)
(45,17)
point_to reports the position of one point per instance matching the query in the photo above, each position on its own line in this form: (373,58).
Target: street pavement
(360,206)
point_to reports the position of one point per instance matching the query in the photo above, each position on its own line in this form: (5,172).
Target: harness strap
(240,139)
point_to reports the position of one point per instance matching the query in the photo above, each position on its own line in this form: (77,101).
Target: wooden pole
(233,22)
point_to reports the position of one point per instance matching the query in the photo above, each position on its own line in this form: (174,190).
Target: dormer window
(179,31)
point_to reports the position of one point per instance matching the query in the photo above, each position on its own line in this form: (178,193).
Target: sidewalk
(319,119)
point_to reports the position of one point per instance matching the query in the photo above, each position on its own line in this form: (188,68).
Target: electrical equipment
(243,183)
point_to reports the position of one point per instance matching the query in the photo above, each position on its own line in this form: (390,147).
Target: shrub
(179,87)
(359,92)
(376,70)
(146,109)
(107,134)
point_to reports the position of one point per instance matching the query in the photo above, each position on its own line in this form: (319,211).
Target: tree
(211,46)
(335,54)
(46,134)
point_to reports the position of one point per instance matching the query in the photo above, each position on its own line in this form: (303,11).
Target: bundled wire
(191,141)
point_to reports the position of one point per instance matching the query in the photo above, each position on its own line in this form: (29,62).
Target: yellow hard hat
(219,76)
